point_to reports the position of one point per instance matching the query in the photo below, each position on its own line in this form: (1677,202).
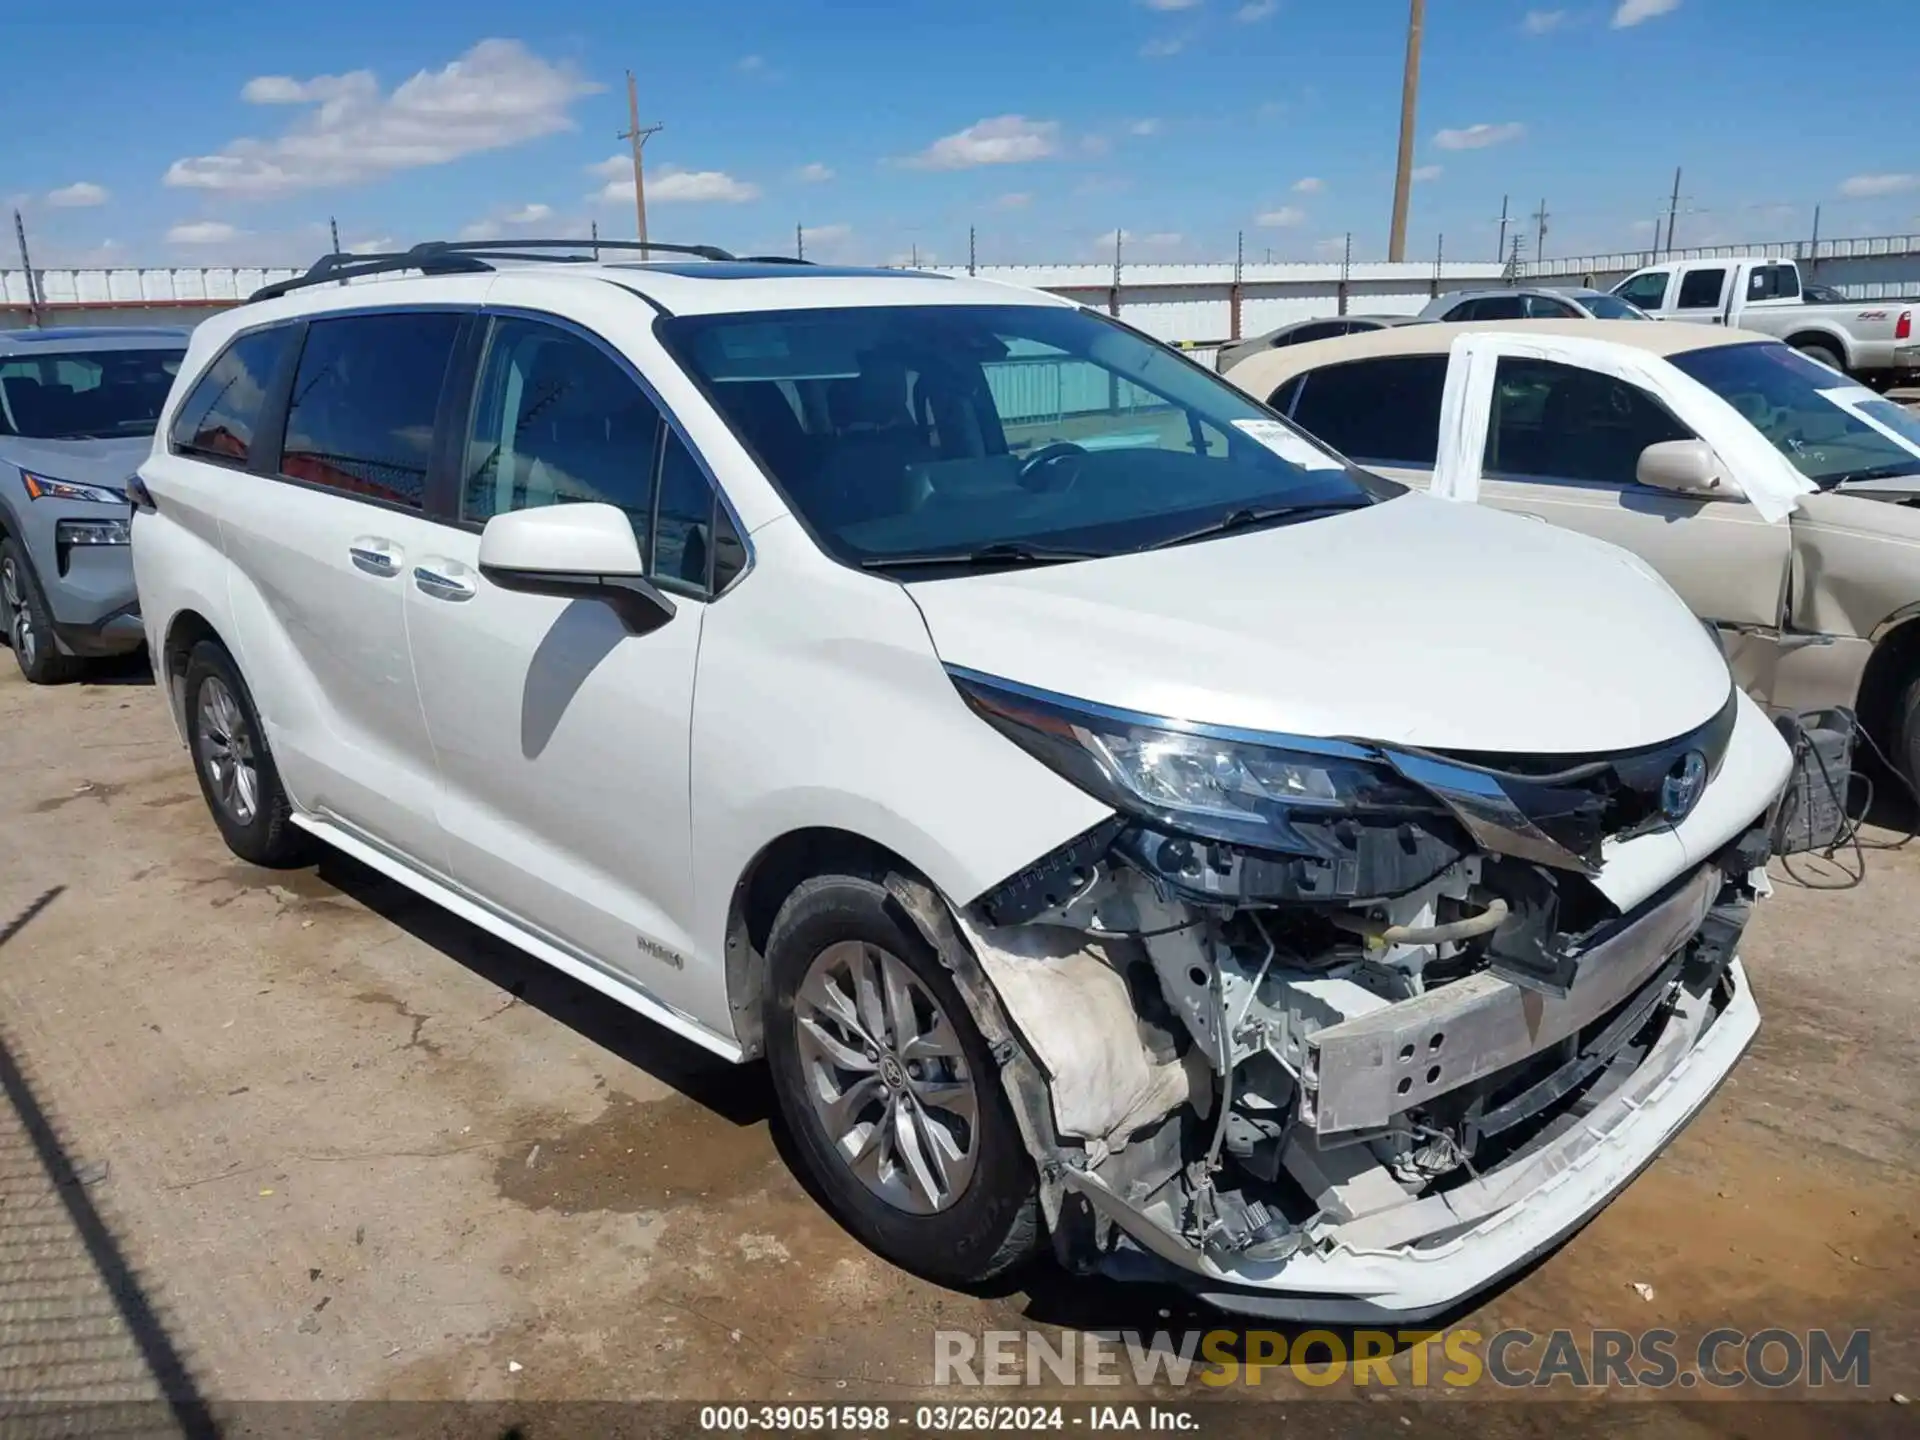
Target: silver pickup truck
(1872,340)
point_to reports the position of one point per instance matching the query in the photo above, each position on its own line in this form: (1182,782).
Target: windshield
(1829,427)
(1611,307)
(898,432)
(85,394)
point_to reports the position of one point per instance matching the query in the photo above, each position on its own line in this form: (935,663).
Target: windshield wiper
(1883,472)
(1003,553)
(1250,516)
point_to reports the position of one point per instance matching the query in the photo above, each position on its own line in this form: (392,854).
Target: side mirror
(575,552)
(1688,467)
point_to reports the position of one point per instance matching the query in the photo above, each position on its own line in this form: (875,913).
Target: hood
(85,462)
(1415,621)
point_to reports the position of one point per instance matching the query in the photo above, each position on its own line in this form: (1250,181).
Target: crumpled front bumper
(1427,1256)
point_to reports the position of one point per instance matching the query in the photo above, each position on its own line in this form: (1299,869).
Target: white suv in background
(1112,814)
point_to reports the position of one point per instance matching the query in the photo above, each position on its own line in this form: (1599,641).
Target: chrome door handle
(442,586)
(374,555)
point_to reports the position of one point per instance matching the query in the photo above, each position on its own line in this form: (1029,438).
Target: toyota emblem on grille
(1681,790)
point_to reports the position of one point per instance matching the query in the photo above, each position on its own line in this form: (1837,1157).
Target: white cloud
(1170,4)
(375,246)
(1161,48)
(1632,12)
(1145,127)
(1863,186)
(1542,22)
(1333,247)
(497,94)
(751,64)
(497,225)
(78,194)
(613,168)
(1013,200)
(825,234)
(1479,137)
(1284,218)
(1158,240)
(202,232)
(1002,140)
(1428,172)
(1255,10)
(530,214)
(814,174)
(671,186)
(1309,185)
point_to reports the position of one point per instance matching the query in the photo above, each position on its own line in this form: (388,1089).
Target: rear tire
(893,1099)
(1824,355)
(29,626)
(235,769)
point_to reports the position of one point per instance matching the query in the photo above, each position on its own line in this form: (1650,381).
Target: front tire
(29,626)
(890,1091)
(1906,739)
(235,769)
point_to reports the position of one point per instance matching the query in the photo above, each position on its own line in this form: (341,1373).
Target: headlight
(91,532)
(1194,780)
(40,487)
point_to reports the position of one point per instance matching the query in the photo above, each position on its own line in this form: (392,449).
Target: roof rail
(456,257)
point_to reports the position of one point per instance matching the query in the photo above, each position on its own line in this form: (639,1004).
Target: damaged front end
(1306,1021)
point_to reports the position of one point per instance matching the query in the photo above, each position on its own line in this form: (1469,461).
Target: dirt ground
(279,1136)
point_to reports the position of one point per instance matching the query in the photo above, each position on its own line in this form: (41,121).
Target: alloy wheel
(887,1076)
(20,632)
(227,751)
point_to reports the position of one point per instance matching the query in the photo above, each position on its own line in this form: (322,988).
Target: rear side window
(1385,410)
(361,416)
(1773,282)
(1307,334)
(221,418)
(1647,291)
(1700,289)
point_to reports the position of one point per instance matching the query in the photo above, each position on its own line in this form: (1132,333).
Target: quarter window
(1386,411)
(1647,291)
(361,416)
(1700,289)
(1561,422)
(221,418)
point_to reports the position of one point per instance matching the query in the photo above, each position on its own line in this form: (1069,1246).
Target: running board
(587,973)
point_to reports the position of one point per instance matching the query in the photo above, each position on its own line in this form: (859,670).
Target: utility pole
(1673,208)
(972,253)
(26,264)
(1409,99)
(1346,267)
(1540,218)
(1238,293)
(1501,252)
(1813,250)
(333,229)
(637,136)
(916,255)
(1439,261)
(799,242)
(1513,259)
(594,227)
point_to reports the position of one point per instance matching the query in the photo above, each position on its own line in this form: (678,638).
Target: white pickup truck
(1871,340)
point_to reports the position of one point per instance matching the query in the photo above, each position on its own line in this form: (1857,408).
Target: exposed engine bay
(1249,1055)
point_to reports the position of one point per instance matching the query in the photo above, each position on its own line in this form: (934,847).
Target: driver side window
(1647,291)
(1564,423)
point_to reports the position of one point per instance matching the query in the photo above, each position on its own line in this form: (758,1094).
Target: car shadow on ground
(738,1094)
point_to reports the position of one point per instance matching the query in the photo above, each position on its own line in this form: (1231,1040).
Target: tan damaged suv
(1775,495)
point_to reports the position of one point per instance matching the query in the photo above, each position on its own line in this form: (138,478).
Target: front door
(1563,442)
(563,739)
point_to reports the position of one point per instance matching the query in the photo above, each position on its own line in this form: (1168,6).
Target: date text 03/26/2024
(936,1419)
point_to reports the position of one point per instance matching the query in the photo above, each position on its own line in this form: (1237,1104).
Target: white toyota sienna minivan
(1116,818)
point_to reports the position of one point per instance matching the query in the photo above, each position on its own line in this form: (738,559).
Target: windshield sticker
(1876,411)
(1293,448)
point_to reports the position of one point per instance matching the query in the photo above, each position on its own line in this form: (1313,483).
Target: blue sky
(212,134)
